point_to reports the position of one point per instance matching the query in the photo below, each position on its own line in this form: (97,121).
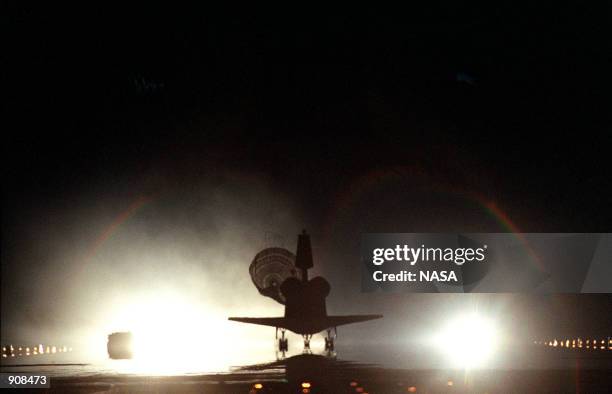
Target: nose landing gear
(307,338)
(283,342)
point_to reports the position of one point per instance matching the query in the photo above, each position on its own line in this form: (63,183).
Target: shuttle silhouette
(280,275)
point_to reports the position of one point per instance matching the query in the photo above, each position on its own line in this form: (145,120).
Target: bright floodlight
(468,341)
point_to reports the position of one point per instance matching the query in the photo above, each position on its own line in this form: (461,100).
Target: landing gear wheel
(329,340)
(307,338)
(283,343)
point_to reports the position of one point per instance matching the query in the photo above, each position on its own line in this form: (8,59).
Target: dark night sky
(354,123)
(100,93)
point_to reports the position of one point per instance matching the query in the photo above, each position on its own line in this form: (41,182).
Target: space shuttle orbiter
(278,274)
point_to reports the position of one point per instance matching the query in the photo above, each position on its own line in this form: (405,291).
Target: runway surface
(548,372)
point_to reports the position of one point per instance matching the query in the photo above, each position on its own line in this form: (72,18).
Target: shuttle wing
(306,325)
(262,321)
(335,321)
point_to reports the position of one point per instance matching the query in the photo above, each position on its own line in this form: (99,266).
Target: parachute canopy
(270,268)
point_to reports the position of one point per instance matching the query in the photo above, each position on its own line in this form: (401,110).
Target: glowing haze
(169,271)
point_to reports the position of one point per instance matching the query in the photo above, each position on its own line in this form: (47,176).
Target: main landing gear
(283,343)
(329,339)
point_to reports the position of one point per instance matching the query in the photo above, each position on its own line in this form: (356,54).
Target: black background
(312,97)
